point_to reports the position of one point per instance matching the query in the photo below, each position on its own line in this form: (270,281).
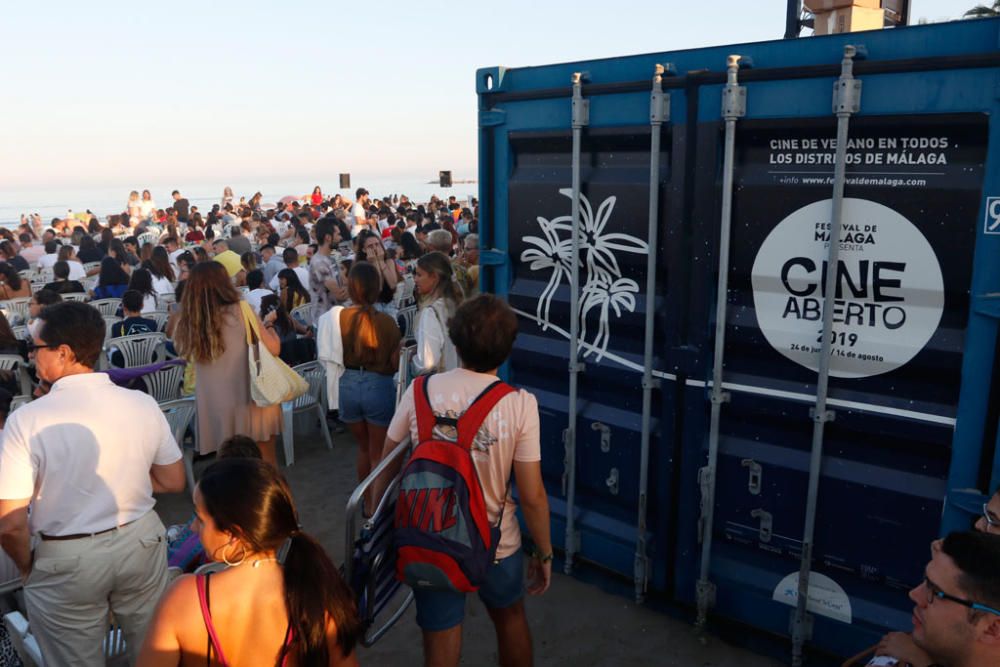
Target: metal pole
(792,25)
(659,113)
(581,108)
(846,101)
(733,107)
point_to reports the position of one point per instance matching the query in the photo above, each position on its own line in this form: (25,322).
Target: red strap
(206,614)
(475,415)
(425,415)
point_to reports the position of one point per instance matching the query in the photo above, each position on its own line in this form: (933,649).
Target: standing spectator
(325,284)
(291,259)
(181,206)
(272,262)
(360,212)
(483,331)
(147,207)
(441,296)
(134,208)
(287,606)
(255,283)
(466,266)
(371,358)
(210,333)
(237,242)
(76,457)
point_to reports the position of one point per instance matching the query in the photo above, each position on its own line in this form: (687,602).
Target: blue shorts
(504,586)
(366,396)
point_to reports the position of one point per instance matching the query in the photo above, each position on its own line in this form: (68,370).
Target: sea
(104,201)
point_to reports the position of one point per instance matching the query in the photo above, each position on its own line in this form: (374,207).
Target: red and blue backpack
(443,535)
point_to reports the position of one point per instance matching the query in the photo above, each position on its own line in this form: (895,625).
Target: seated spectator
(957,612)
(255,283)
(300,607)
(466,266)
(160,270)
(41,298)
(9,254)
(51,255)
(294,350)
(12,286)
(112,281)
(89,250)
(133,323)
(292,292)
(142,282)
(62,284)
(68,255)
(30,250)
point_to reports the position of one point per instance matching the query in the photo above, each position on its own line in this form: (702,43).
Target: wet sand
(573,624)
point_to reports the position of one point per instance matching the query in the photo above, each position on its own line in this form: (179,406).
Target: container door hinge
(706,594)
(612,482)
(492,117)
(734,101)
(581,106)
(847,96)
(721,397)
(566,461)
(805,630)
(605,435)
(704,482)
(753,485)
(766,523)
(659,107)
(824,417)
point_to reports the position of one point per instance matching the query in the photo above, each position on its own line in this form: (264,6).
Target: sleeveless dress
(222,392)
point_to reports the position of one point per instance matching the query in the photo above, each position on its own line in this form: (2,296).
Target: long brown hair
(249,499)
(364,284)
(437,263)
(199,328)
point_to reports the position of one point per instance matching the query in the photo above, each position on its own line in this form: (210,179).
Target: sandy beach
(573,624)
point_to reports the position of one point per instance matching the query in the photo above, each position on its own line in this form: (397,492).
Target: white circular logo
(890,293)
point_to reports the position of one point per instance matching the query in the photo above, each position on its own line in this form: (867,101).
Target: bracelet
(538,555)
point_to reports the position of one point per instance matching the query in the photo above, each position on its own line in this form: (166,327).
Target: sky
(108,92)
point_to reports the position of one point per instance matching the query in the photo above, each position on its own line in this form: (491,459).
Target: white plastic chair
(303,314)
(88,266)
(403,375)
(18,401)
(165,384)
(37,286)
(25,644)
(109,322)
(158,316)
(314,399)
(21,332)
(137,350)
(409,314)
(180,413)
(166,300)
(16,310)
(75,296)
(14,362)
(107,307)
(148,237)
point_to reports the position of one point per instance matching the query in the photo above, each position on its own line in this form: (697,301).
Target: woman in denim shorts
(371,357)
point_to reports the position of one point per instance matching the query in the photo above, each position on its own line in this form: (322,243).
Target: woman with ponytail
(371,357)
(280,602)
(440,296)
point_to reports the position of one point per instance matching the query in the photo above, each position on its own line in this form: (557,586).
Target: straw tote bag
(272,382)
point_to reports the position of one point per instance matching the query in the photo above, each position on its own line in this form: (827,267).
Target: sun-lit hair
(364,284)
(208,291)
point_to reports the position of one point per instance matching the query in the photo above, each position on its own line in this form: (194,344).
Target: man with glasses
(956,620)
(87,458)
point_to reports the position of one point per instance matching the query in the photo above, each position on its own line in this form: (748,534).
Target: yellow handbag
(272,382)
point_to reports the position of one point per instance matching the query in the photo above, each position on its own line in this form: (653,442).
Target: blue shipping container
(907,439)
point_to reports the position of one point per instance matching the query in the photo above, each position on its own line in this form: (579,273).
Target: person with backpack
(456,530)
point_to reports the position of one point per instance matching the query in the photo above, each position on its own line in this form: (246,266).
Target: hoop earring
(243,557)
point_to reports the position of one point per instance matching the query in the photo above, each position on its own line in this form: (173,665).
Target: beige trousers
(74,584)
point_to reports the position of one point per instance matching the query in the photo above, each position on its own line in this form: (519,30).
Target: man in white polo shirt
(87,458)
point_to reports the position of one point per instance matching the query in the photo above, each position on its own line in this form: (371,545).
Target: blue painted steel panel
(915,368)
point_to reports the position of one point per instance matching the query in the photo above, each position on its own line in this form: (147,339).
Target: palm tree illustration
(982,11)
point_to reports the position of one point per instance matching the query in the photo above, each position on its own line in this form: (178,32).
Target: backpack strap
(422,405)
(472,419)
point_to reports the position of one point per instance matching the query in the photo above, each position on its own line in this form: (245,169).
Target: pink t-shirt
(510,433)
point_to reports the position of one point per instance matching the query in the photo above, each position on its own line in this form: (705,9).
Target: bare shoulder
(180,597)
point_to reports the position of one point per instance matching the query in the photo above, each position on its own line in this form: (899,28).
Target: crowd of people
(347,284)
